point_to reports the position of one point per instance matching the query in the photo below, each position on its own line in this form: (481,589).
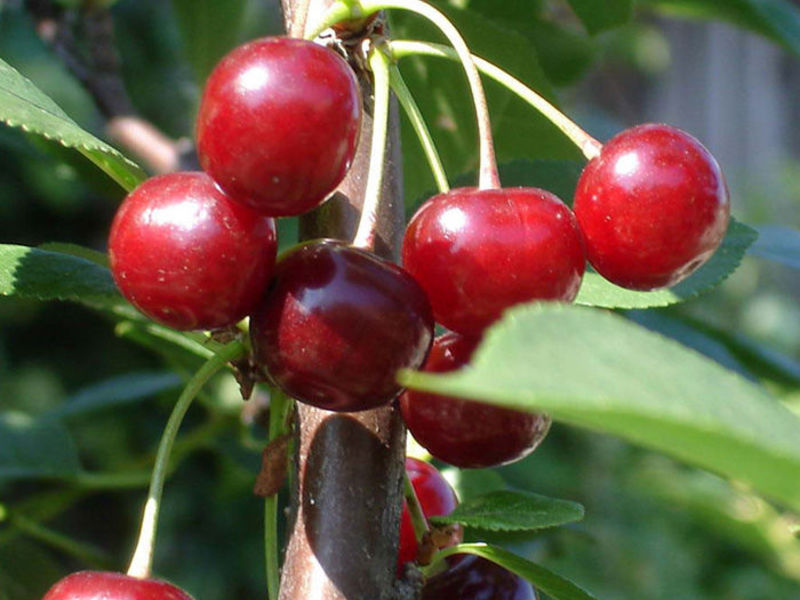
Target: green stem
(436,562)
(83,552)
(418,520)
(365,235)
(279,406)
(488,177)
(142,560)
(420,127)
(589,146)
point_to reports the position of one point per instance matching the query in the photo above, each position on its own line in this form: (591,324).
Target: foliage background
(654,529)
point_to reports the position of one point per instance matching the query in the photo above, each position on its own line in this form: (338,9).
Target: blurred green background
(654,529)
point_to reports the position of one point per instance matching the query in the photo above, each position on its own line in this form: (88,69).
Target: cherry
(436,498)
(338,323)
(478,252)
(475,578)
(94,585)
(187,256)
(465,433)
(278,124)
(653,207)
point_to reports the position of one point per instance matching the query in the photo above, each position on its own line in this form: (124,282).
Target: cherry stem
(589,146)
(420,127)
(418,520)
(488,177)
(299,18)
(279,407)
(142,561)
(365,234)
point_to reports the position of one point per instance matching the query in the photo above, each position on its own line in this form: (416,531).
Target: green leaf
(543,579)
(599,16)
(115,392)
(440,88)
(779,244)
(33,448)
(209,29)
(597,370)
(45,275)
(778,20)
(505,510)
(596,291)
(99,258)
(25,106)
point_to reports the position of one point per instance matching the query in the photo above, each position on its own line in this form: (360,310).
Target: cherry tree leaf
(597,291)
(779,244)
(25,106)
(35,448)
(597,370)
(504,510)
(543,579)
(599,16)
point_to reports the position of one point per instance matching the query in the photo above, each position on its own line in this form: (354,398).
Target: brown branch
(84,41)
(349,466)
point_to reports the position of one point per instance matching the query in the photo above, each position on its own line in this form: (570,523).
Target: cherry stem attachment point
(418,520)
(365,234)
(409,105)
(142,561)
(589,146)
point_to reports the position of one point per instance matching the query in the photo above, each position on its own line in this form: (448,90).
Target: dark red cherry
(187,256)
(338,323)
(102,585)
(436,498)
(653,207)
(478,252)
(278,124)
(475,578)
(461,432)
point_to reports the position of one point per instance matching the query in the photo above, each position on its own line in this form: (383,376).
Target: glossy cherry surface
(436,498)
(278,124)
(104,585)
(338,323)
(475,578)
(653,207)
(187,256)
(478,252)
(461,432)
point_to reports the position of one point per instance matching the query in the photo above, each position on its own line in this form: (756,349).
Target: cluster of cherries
(332,323)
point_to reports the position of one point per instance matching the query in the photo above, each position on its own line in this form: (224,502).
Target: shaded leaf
(115,392)
(34,448)
(599,16)
(505,510)
(25,106)
(597,370)
(597,291)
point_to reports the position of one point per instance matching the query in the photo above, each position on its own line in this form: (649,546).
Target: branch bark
(349,466)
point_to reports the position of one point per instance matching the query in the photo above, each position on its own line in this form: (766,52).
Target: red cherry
(653,207)
(478,252)
(278,124)
(338,323)
(461,432)
(475,578)
(436,498)
(187,256)
(96,585)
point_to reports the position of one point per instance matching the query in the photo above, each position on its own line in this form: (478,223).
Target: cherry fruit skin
(653,207)
(478,252)
(278,124)
(95,585)
(475,578)
(465,433)
(436,498)
(338,323)
(189,257)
